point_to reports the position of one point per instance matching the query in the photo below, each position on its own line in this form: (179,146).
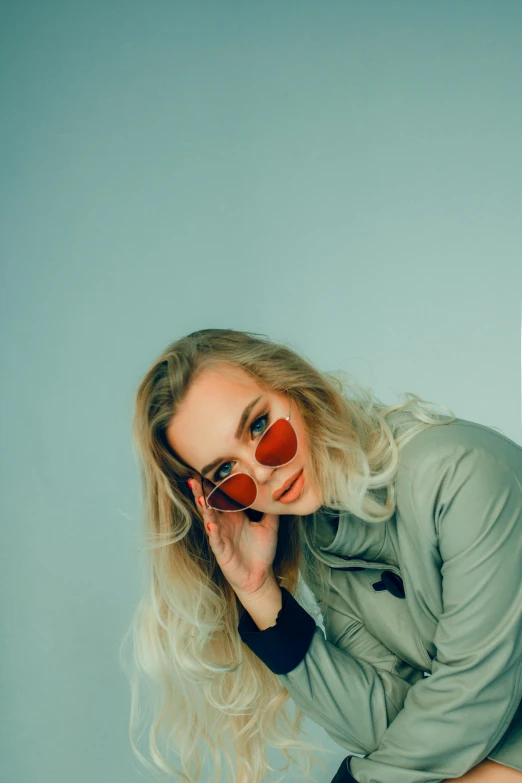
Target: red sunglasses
(277,447)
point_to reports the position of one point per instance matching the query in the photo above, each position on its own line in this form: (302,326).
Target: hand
(488,771)
(244,550)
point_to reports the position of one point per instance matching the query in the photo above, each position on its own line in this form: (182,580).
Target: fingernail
(200,501)
(208,527)
(189,482)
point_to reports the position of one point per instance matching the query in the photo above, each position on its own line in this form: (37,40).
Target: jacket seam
(392,702)
(421,648)
(386,534)
(425,581)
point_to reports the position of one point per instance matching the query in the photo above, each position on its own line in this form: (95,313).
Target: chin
(313,505)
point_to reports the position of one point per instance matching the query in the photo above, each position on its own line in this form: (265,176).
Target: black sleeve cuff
(282,646)
(343,774)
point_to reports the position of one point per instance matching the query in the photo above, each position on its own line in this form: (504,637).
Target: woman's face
(203,433)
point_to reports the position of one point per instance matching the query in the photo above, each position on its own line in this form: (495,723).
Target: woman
(406,527)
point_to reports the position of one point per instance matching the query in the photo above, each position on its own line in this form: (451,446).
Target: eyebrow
(239,432)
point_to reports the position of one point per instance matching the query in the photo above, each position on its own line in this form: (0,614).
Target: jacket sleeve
(351,684)
(414,729)
(453,719)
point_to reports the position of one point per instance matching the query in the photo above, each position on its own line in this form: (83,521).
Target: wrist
(264,604)
(265,587)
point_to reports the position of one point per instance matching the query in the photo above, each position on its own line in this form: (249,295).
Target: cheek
(302,445)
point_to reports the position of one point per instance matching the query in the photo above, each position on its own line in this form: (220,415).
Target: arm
(352,695)
(264,606)
(266,609)
(453,719)
(417,730)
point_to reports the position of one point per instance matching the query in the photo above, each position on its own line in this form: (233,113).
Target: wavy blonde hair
(205,683)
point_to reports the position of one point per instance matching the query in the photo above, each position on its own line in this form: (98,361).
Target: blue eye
(217,475)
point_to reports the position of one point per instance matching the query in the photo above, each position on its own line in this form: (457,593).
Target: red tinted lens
(234,494)
(278,445)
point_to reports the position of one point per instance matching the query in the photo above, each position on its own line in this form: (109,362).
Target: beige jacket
(436,589)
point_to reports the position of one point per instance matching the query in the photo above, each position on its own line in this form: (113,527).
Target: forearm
(488,771)
(265,605)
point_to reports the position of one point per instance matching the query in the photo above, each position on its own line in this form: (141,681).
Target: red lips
(281,491)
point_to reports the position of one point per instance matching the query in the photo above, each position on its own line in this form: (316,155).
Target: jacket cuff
(282,646)
(343,774)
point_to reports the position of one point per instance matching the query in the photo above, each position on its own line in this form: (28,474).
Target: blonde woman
(262,474)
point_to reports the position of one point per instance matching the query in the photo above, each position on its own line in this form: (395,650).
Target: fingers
(197,491)
(206,512)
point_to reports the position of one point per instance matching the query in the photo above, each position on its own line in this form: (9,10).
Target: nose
(261,473)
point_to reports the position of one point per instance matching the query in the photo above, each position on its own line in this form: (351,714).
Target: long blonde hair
(205,683)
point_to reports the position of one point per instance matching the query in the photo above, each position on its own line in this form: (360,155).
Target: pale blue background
(343,176)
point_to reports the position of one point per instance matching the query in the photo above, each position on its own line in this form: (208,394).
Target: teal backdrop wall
(344,176)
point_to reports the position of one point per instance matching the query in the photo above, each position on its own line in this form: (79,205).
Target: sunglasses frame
(234,511)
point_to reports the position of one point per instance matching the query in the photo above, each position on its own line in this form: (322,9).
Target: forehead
(211,408)
(218,386)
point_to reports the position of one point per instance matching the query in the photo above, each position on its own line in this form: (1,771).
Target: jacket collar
(341,538)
